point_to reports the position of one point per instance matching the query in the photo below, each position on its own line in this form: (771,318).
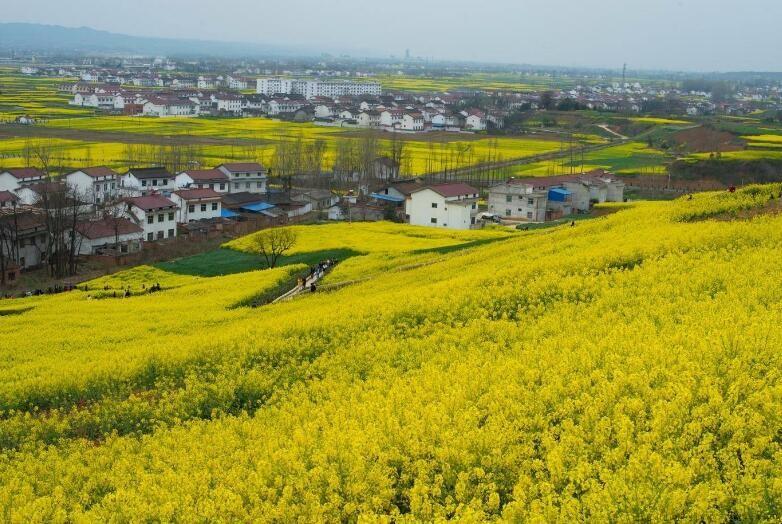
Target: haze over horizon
(687,35)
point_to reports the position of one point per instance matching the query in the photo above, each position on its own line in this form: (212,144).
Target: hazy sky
(701,35)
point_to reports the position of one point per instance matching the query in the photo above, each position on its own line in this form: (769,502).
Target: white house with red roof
(412,121)
(156,214)
(196,204)
(391,118)
(95,184)
(475,120)
(203,179)
(108,236)
(452,206)
(13,179)
(249,177)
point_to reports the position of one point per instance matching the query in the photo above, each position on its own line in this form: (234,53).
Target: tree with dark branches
(273,243)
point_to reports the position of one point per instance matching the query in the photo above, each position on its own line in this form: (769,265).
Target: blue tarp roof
(256,207)
(227,213)
(388,198)
(558,194)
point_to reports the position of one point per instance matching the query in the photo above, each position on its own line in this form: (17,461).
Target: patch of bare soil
(706,140)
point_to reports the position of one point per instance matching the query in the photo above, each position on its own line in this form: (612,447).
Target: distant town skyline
(687,35)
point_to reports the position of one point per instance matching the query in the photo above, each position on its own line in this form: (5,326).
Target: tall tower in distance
(407,54)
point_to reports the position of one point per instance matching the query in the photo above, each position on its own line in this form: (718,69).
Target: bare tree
(9,240)
(273,243)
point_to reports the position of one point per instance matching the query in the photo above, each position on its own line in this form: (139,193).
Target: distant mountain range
(64,40)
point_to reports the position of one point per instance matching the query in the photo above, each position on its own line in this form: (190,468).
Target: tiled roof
(24,172)
(150,202)
(98,171)
(197,194)
(242,167)
(451,190)
(149,172)
(205,174)
(107,227)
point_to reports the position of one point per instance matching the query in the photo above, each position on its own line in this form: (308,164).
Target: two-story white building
(196,204)
(475,120)
(95,185)
(412,121)
(247,177)
(145,180)
(227,102)
(156,214)
(203,179)
(452,206)
(13,179)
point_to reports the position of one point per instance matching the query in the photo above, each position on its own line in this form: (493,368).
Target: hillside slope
(624,369)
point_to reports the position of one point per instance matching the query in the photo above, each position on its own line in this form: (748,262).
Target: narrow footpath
(308,284)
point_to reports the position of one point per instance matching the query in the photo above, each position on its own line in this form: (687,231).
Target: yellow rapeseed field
(624,369)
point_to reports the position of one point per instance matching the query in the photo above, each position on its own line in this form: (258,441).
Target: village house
(12,179)
(368,118)
(452,206)
(169,106)
(245,176)
(94,184)
(196,204)
(156,214)
(30,227)
(391,118)
(320,199)
(108,236)
(518,201)
(203,179)
(277,106)
(475,120)
(8,200)
(228,103)
(412,121)
(145,180)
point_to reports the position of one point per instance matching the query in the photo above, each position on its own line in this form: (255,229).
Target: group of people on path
(316,272)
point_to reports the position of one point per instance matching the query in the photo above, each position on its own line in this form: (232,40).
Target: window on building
(214,206)
(433,220)
(150,219)
(236,185)
(150,236)
(508,198)
(170,233)
(529,214)
(161,217)
(171,216)
(160,235)
(259,184)
(530,201)
(434,205)
(191,208)
(247,185)
(143,183)
(507,212)
(154,182)
(203,207)
(222,186)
